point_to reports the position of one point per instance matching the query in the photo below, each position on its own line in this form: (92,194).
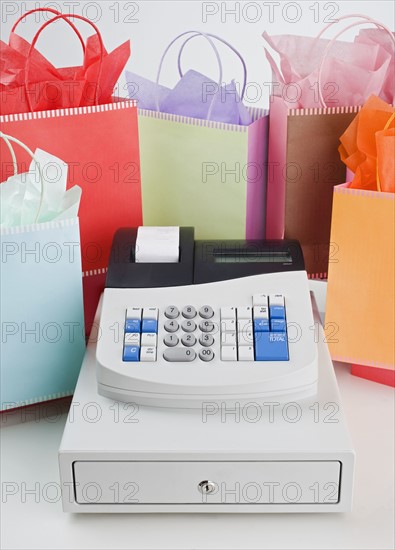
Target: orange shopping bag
(361,278)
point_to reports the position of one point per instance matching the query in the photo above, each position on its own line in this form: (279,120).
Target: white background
(152,25)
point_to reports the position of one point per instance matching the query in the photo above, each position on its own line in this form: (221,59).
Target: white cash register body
(208,386)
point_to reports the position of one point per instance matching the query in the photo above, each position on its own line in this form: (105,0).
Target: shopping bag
(41,305)
(304,164)
(29,82)
(203,159)
(100,145)
(360,297)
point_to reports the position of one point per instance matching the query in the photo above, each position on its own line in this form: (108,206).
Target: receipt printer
(138,259)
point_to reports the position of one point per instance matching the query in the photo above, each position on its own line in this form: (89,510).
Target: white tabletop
(28,520)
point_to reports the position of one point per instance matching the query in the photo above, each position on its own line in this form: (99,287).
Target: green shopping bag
(201,170)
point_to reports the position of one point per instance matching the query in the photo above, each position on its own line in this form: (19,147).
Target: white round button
(206,312)
(189,312)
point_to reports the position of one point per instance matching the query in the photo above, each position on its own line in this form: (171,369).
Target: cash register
(208,386)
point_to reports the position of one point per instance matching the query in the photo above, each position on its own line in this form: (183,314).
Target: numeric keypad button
(206,354)
(244,312)
(188,340)
(171,326)
(188,326)
(206,312)
(228,313)
(229,353)
(246,353)
(206,340)
(228,339)
(171,312)
(245,338)
(228,325)
(206,326)
(170,340)
(189,312)
(179,355)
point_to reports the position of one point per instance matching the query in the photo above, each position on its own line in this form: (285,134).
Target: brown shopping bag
(304,164)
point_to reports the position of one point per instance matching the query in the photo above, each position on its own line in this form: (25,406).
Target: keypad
(140,337)
(186,333)
(255,334)
(193,329)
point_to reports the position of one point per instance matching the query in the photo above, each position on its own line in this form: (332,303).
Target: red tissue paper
(29,82)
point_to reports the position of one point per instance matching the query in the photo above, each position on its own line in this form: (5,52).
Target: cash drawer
(206,482)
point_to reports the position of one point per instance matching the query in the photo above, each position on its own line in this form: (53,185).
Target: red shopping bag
(100,145)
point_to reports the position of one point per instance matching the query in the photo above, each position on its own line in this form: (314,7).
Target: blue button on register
(132,325)
(149,325)
(278,325)
(131,353)
(277,312)
(261,325)
(271,346)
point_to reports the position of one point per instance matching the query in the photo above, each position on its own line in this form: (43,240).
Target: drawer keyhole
(207,487)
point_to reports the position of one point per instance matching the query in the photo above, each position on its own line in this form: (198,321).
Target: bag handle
(209,112)
(353,16)
(12,152)
(365,19)
(56,12)
(36,36)
(236,52)
(388,124)
(7,138)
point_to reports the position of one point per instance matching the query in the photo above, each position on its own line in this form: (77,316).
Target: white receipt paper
(157,245)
